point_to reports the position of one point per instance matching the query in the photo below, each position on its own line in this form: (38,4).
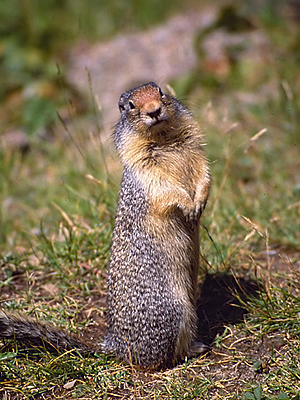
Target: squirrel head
(149,118)
(148,111)
(144,105)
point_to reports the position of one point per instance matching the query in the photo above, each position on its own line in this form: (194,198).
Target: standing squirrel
(152,277)
(154,262)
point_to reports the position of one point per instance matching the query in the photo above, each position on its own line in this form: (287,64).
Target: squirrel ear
(160,92)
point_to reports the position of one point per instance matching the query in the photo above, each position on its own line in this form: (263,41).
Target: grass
(57,208)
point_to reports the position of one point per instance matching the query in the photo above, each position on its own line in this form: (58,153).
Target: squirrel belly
(146,313)
(152,279)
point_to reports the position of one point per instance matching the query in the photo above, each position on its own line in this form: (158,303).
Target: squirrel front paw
(192,211)
(199,208)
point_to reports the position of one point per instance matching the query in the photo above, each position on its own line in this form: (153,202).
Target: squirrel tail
(37,334)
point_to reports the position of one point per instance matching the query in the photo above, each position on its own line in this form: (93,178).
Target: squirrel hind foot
(197,348)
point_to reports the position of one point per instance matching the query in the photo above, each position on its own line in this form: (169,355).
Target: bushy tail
(36,334)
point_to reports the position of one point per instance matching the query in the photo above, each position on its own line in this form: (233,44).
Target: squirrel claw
(197,348)
(194,213)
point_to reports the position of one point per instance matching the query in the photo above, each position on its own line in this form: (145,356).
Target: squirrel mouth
(156,122)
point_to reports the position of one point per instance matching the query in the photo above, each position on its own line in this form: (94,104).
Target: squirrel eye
(131,104)
(121,107)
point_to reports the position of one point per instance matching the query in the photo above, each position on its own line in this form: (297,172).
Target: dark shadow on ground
(218,303)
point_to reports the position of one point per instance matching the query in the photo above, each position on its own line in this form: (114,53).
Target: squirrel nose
(153,109)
